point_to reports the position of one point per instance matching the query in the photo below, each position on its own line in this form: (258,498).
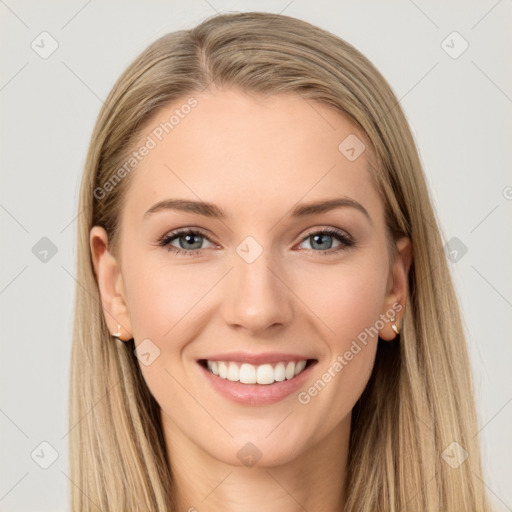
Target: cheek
(347,301)
(164,303)
(347,298)
(163,297)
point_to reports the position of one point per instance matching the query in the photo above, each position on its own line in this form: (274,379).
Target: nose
(257,297)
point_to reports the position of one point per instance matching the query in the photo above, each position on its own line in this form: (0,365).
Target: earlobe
(396,297)
(110,284)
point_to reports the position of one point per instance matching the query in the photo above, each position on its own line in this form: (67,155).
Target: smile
(247,373)
(255,384)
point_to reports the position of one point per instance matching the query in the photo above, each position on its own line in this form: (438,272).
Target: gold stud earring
(394,326)
(118,333)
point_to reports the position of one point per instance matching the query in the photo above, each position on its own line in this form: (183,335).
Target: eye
(189,241)
(322,240)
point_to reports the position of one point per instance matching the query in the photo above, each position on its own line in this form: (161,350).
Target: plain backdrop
(455,88)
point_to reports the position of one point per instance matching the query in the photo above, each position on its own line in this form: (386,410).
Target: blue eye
(186,239)
(320,239)
(190,241)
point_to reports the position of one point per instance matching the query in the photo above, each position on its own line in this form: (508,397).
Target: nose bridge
(257,296)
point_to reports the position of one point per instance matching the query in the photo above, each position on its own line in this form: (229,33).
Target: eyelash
(166,240)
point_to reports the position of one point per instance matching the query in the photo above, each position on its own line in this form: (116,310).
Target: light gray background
(460,112)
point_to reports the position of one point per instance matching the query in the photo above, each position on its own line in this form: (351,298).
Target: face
(267,284)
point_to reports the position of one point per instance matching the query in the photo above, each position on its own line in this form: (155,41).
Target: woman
(265,316)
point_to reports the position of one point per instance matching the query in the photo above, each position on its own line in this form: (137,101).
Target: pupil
(322,245)
(189,239)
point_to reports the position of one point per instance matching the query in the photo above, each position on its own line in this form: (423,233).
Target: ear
(396,295)
(110,284)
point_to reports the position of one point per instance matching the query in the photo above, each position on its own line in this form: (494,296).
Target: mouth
(251,384)
(261,374)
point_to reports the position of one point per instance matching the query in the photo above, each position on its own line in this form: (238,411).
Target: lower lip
(256,394)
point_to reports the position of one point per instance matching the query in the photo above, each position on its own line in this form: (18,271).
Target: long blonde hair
(419,398)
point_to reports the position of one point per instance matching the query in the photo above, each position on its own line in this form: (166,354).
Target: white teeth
(290,370)
(250,374)
(265,374)
(279,372)
(223,369)
(233,372)
(299,367)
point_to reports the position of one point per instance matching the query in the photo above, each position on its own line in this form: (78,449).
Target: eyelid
(324,229)
(180,231)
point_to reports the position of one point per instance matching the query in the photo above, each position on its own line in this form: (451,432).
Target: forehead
(250,152)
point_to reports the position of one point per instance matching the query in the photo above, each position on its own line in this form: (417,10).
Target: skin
(256,158)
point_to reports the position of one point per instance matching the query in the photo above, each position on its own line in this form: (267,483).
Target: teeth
(299,367)
(265,374)
(290,370)
(233,372)
(280,372)
(223,369)
(250,374)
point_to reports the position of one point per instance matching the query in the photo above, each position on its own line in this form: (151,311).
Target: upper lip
(256,359)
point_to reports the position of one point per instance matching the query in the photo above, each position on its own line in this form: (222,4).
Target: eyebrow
(213,211)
